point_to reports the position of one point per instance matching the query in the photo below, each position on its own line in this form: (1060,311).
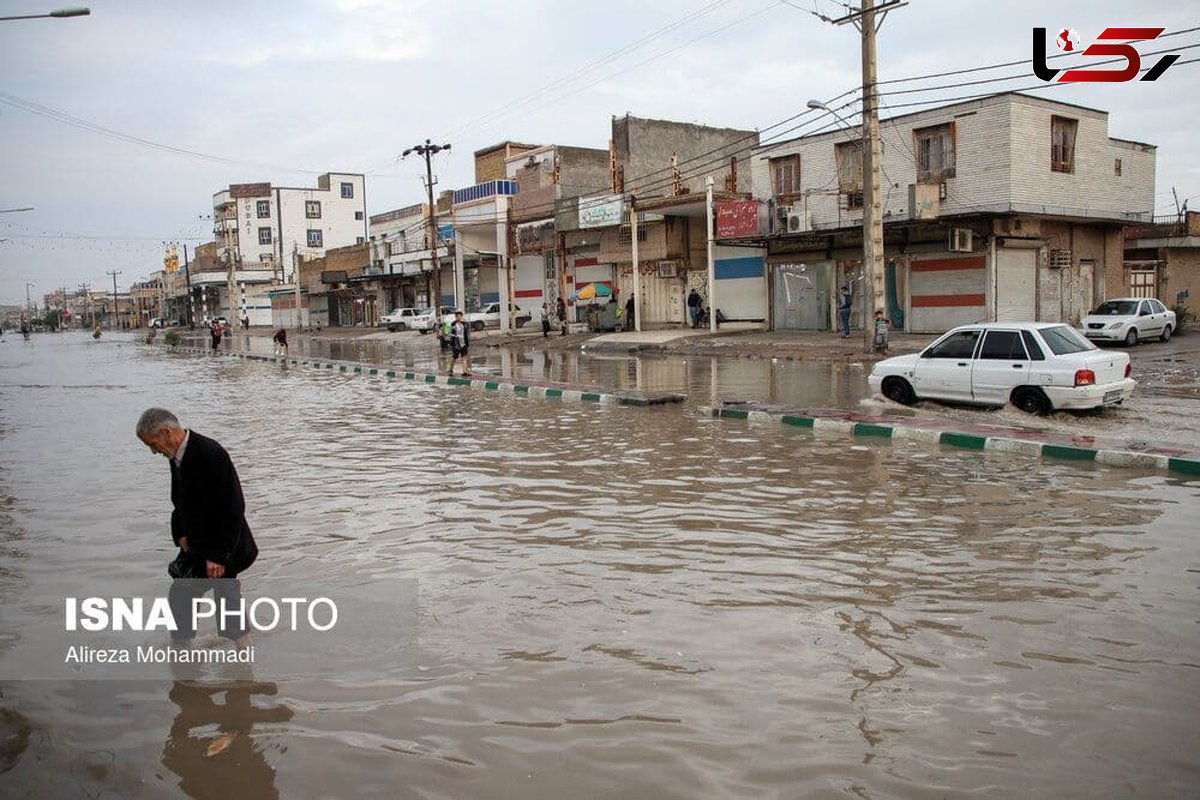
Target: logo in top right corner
(1113,42)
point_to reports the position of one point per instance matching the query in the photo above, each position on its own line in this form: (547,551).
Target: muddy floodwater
(612,602)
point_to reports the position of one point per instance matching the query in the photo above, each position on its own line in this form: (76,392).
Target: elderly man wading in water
(208,522)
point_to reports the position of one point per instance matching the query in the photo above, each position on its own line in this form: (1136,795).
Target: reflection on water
(211,745)
(614,601)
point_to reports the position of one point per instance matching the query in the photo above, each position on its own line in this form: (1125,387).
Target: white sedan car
(489,316)
(1129,320)
(1039,367)
(401,319)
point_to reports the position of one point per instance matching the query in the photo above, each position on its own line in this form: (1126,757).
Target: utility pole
(116,308)
(85,290)
(28,302)
(296,281)
(428,150)
(873,276)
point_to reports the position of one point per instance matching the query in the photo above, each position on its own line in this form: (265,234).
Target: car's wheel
(422,331)
(476,326)
(1166,334)
(402,326)
(1031,400)
(1131,337)
(392,328)
(899,391)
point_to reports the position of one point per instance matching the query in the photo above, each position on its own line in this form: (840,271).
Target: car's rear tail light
(1128,369)
(1085,377)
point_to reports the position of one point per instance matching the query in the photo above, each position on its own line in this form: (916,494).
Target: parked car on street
(1039,367)
(401,319)
(489,316)
(426,320)
(1129,320)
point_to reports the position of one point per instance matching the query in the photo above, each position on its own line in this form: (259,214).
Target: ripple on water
(621,601)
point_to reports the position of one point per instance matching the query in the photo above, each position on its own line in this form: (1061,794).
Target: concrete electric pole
(428,150)
(873,275)
(116,308)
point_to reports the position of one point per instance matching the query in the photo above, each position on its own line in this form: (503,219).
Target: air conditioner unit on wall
(797,221)
(961,240)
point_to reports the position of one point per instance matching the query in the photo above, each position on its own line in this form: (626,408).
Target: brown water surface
(613,601)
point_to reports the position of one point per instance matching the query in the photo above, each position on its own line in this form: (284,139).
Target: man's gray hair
(156,420)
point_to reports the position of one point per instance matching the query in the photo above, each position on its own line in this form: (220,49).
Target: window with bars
(625,234)
(312,209)
(1142,283)
(264,235)
(315,238)
(849,157)
(263,209)
(935,153)
(785,176)
(1062,144)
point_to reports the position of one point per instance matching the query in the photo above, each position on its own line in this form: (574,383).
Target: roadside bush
(172,338)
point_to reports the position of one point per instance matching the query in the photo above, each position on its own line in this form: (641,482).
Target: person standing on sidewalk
(545,320)
(845,303)
(882,325)
(561,308)
(693,304)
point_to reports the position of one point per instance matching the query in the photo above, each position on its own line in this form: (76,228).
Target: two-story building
(1008,207)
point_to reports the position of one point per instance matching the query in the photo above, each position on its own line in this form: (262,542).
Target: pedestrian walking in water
(845,303)
(208,523)
(280,340)
(460,343)
(217,331)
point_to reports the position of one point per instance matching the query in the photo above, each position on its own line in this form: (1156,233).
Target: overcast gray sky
(281,91)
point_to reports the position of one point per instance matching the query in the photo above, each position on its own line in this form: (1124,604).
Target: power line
(591,66)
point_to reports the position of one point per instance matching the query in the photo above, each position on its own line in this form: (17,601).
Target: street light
(61,13)
(817,105)
(13,210)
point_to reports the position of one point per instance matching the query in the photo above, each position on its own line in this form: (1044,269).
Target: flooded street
(1162,410)
(612,601)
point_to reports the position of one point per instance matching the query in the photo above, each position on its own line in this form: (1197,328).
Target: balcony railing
(1166,226)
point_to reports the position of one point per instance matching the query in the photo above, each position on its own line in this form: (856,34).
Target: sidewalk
(735,340)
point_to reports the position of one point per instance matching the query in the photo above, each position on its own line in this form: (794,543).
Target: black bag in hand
(184,566)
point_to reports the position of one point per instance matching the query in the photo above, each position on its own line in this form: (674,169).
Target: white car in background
(1129,320)
(401,319)
(425,321)
(1039,367)
(489,316)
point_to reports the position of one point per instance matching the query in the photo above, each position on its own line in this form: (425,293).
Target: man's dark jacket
(209,508)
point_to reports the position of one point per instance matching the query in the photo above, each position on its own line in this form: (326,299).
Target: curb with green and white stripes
(483,382)
(968,441)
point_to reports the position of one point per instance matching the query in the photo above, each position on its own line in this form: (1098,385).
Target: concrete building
(263,231)
(660,168)
(401,256)
(332,292)
(544,176)
(1162,260)
(490,162)
(1008,207)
